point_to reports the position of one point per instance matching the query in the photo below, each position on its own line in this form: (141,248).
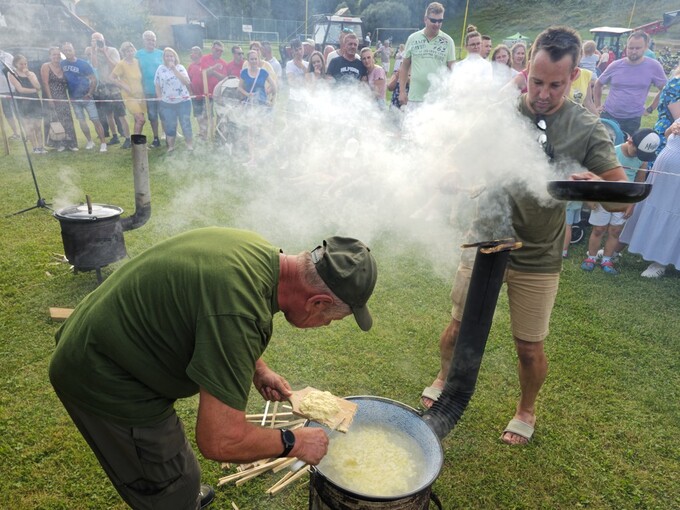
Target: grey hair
(126,45)
(310,276)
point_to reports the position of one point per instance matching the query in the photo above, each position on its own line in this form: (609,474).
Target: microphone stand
(41,203)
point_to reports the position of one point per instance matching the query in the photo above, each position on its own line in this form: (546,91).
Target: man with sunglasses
(236,65)
(427,52)
(571,136)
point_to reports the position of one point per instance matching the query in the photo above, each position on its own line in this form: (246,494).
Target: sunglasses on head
(436,21)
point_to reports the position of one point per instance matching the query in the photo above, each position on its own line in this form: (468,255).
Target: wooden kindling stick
(287,480)
(250,473)
(283,466)
(273,420)
(262,415)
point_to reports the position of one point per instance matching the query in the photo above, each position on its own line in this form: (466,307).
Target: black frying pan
(599,191)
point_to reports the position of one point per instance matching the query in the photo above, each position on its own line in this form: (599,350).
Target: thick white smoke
(344,167)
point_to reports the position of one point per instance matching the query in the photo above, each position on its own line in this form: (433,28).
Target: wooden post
(5,143)
(208,104)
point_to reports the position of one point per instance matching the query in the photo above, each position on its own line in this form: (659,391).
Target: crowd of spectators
(151,83)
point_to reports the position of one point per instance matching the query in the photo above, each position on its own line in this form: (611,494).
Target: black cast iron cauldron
(328,494)
(93,233)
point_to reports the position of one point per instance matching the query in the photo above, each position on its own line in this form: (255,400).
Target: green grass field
(607,434)
(608,415)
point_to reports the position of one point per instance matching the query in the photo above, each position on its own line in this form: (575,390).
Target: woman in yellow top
(581,91)
(128,76)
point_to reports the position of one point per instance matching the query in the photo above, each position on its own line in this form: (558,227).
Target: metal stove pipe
(485,285)
(140,169)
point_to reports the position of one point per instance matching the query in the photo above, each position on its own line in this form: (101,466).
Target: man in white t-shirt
(295,74)
(269,57)
(473,68)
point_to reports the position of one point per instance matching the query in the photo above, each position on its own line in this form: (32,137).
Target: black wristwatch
(288,440)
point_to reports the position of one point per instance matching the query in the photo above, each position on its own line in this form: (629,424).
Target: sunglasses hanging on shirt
(543,137)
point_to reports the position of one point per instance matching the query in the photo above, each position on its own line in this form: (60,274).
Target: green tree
(123,21)
(384,14)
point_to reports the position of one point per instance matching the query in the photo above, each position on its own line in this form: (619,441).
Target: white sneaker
(89,145)
(61,148)
(654,271)
(102,148)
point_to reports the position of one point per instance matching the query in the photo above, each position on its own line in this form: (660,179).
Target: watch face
(288,438)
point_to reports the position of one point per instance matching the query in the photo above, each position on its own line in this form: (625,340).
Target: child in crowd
(633,154)
(573,217)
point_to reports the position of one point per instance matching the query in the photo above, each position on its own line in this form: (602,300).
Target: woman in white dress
(653,230)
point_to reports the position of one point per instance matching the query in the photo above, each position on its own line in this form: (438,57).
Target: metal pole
(5,143)
(306,17)
(632,11)
(462,37)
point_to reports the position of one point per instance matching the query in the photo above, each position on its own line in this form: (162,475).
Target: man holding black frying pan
(568,133)
(193,315)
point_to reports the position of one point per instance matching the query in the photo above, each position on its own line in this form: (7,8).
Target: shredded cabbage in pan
(374,460)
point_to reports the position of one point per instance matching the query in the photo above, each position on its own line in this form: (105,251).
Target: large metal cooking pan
(392,414)
(599,191)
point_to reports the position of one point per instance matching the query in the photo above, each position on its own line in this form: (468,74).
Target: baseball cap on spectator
(646,141)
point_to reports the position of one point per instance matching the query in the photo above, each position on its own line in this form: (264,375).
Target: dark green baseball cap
(348,268)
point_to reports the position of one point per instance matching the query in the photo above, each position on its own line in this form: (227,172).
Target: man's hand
(271,385)
(590,176)
(584,176)
(311,444)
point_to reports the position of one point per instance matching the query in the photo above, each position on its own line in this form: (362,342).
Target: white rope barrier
(140,100)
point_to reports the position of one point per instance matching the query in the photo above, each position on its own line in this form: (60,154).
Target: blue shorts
(152,106)
(80,107)
(173,112)
(198,105)
(573,213)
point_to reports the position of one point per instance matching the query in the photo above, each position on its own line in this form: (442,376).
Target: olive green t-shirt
(193,311)
(576,136)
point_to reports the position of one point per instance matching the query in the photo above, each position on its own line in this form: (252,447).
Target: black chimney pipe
(485,285)
(140,169)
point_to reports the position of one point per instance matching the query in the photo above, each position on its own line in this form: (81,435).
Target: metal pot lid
(80,212)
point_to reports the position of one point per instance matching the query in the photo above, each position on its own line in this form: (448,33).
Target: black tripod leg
(41,201)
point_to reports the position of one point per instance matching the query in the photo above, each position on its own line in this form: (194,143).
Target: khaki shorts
(531,297)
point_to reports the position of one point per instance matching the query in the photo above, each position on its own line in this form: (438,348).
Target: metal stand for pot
(41,203)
